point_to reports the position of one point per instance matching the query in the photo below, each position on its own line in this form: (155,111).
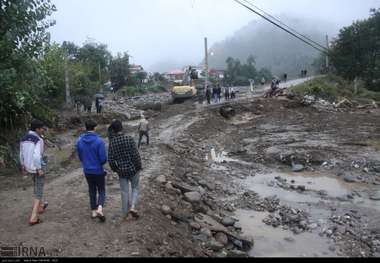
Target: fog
(172,31)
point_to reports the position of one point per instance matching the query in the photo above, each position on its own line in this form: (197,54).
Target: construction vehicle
(188,89)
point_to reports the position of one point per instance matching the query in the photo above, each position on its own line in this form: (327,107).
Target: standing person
(263,81)
(33,164)
(214,94)
(92,154)
(227,93)
(285,77)
(87,103)
(124,159)
(233,93)
(219,92)
(144,130)
(99,105)
(208,95)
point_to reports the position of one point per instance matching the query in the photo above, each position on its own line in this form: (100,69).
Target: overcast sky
(173,30)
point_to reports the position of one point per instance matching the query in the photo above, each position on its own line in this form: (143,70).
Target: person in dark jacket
(92,154)
(208,95)
(124,159)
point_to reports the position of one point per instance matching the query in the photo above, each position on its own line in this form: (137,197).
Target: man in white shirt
(143,130)
(33,164)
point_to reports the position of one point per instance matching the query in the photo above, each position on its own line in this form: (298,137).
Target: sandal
(39,221)
(134,214)
(101,217)
(43,208)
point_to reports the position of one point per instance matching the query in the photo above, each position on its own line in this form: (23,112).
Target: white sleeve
(37,156)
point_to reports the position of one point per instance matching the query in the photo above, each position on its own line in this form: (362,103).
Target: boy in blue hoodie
(92,154)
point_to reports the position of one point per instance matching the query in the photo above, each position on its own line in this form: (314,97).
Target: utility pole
(327,55)
(206,63)
(67,84)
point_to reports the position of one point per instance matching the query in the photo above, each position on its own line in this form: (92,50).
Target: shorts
(39,182)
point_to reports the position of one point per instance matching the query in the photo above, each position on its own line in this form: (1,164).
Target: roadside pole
(206,64)
(327,55)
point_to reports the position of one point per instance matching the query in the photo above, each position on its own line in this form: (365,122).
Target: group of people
(215,94)
(87,103)
(303,73)
(123,158)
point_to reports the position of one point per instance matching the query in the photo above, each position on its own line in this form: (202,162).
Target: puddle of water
(270,242)
(315,182)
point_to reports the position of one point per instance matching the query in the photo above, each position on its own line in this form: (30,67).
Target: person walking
(214,94)
(233,93)
(99,105)
(33,164)
(92,154)
(208,95)
(227,93)
(263,81)
(125,160)
(143,130)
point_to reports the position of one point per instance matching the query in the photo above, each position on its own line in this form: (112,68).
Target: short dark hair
(36,124)
(116,126)
(90,125)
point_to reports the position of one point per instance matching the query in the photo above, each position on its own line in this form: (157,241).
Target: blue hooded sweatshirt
(92,153)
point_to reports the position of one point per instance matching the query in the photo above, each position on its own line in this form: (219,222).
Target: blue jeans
(124,187)
(96,185)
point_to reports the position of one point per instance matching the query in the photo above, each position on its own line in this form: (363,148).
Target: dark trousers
(142,134)
(96,185)
(99,109)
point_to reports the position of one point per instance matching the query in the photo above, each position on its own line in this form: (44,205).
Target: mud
(237,168)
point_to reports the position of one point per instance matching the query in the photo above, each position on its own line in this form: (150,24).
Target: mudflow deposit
(252,177)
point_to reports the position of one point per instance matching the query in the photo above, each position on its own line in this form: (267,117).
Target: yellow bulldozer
(188,89)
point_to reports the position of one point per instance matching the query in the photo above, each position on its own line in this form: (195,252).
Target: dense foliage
(356,52)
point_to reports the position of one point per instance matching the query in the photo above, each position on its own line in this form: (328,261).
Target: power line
(281,27)
(285,25)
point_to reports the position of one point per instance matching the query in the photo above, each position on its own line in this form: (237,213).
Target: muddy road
(275,179)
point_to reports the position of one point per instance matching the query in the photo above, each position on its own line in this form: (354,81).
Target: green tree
(356,52)
(119,70)
(23,35)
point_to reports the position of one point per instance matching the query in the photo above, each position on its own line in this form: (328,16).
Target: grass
(333,88)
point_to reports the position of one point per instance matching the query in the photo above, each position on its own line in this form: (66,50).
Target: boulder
(221,238)
(161,179)
(166,210)
(193,197)
(228,221)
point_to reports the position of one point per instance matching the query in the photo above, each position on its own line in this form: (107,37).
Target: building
(175,76)
(134,69)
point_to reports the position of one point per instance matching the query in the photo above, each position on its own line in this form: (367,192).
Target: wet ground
(241,168)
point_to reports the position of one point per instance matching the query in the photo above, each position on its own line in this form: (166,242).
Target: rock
(222,238)
(227,112)
(375,197)
(161,179)
(170,189)
(195,226)
(289,239)
(185,188)
(214,245)
(238,226)
(228,221)
(193,197)
(206,232)
(166,210)
(301,188)
(349,179)
(201,237)
(237,254)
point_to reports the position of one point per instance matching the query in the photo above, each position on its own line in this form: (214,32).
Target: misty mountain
(272,47)
(168,65)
